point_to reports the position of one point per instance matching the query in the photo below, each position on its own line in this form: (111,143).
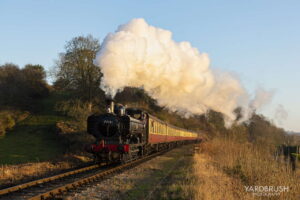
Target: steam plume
(177,75)
(262,97)
(280,114)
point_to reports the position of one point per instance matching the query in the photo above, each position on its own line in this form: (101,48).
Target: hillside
(34,139)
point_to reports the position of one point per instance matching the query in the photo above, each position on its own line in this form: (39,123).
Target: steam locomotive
(124,134)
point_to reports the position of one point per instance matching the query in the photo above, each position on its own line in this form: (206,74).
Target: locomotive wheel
(126,158)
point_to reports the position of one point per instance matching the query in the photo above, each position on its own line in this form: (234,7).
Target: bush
(75,109)
(8,120)
(2,130)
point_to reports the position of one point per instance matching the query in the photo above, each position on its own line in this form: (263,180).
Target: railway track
(51,187)
(18,190)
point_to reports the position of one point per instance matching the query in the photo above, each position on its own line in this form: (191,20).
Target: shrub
(75,109)
(2,130)
(8,120)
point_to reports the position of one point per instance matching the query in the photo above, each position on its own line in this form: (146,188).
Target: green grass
(33,139)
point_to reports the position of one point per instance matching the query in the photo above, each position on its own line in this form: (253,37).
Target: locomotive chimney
(110,105)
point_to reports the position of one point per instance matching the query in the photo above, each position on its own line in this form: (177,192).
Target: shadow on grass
(34,139)
(30,142)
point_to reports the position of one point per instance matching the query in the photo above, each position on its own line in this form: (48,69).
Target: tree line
(21,88)
(74,73)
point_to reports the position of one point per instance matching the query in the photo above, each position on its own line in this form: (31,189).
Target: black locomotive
(115,130)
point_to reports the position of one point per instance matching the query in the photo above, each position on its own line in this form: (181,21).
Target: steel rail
(92,178)
(45,180)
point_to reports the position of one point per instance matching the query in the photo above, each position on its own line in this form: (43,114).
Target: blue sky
(258,40)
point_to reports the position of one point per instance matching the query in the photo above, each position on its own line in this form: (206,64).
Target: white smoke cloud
(176,74)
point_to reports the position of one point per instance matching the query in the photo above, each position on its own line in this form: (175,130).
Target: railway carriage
(126,134)
(160,132)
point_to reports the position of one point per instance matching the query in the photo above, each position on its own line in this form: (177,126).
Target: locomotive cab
(136,113)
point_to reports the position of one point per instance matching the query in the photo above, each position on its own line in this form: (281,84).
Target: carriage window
(159,128)
(152,126)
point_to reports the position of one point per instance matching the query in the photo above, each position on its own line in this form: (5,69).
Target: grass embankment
(240,165)
(33,139)
(34,149)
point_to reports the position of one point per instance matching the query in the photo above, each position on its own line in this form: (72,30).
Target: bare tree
(76,71)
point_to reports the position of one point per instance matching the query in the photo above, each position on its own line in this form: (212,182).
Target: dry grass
(15,174)
(214,184)
(226,166)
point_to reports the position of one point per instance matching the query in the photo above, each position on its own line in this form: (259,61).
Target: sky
(257,40)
